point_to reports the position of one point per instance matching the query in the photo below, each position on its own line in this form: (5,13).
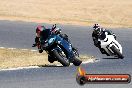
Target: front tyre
(76,59)
(61,58)
(116,51)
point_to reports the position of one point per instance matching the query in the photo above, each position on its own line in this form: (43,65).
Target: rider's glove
(34,45)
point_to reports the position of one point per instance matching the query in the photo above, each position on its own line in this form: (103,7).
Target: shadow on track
(50,66)
(111,58)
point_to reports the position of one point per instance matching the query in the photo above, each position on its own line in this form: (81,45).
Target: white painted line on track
(11,48)
(30,67)
(33,50)
(58,65)
(24,49)
(89,61)
(19,68)
(2,47)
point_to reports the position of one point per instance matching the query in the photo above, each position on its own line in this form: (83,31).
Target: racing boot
(40,50)
(34,45)
(51,59)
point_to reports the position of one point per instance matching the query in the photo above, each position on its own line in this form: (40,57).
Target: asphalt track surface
(21,35)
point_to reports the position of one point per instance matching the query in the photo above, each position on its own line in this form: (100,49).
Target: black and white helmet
(56,31)
(97,29)
(96,26)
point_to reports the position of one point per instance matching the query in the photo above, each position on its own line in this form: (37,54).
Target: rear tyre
(61,58)
(116,51)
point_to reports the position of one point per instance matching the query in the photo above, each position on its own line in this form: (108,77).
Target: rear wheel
(61,58)
(116,51)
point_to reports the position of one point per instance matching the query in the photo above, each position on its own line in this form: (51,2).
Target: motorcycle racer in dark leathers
(42,42)
(42,33)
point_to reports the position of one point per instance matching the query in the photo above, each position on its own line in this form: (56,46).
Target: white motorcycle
(111,46)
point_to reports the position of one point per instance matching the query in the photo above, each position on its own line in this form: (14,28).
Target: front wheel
(61,58)
(76,59)
(116,51)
